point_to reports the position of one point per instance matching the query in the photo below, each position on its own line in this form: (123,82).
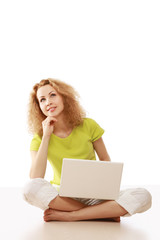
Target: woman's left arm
(101,150)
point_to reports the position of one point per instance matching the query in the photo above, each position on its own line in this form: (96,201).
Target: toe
(46,218)
(48,211)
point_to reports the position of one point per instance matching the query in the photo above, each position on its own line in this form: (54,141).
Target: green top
(77,145)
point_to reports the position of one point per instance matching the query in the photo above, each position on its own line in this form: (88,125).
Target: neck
(61,125)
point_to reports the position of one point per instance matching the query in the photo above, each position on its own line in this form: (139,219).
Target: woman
(62,131)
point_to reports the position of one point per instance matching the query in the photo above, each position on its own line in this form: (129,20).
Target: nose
(48,101)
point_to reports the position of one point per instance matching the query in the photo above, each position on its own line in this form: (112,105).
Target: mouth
(51,109)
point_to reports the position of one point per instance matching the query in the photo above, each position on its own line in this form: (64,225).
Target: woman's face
(50,101)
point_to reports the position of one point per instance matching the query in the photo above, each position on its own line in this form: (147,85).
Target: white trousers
(39,192)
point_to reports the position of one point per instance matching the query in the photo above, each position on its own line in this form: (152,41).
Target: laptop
(90,179)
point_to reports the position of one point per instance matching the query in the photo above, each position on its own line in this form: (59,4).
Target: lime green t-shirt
(77,145)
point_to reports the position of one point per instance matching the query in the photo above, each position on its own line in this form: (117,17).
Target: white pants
(39,192)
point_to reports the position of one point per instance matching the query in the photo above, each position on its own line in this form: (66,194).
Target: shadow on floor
(86,230)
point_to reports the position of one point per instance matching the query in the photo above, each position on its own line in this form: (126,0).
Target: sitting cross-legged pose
(61,130)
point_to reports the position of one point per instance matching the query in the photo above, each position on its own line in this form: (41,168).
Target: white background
(109,51)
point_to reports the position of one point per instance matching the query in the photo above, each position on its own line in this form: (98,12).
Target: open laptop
(90,179)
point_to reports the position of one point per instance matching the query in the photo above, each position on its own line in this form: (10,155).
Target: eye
(42,100)
(53,94)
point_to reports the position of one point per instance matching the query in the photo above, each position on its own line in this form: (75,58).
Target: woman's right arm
(39,158)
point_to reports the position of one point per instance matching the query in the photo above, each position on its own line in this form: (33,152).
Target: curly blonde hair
(73,111)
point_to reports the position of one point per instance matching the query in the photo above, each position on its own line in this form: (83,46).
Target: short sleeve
(95,130)
(35,143)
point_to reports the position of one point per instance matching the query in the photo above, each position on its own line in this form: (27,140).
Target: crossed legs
(107,209)
(42,194)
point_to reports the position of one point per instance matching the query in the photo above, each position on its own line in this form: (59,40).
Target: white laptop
(90,179)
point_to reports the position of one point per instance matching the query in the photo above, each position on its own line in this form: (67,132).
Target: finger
(49,119)
(52,118)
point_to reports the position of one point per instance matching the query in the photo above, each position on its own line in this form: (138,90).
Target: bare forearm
(107,158)
(39,165)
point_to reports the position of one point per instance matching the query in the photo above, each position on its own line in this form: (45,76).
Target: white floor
(20,221)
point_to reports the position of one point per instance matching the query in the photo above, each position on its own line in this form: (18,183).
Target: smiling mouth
(51,109)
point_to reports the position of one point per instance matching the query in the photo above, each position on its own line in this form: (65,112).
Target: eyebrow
(48,94)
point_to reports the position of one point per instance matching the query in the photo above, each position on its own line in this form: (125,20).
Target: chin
(52,115)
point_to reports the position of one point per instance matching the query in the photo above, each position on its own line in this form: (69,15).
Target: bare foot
(116,219)
(54,215)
